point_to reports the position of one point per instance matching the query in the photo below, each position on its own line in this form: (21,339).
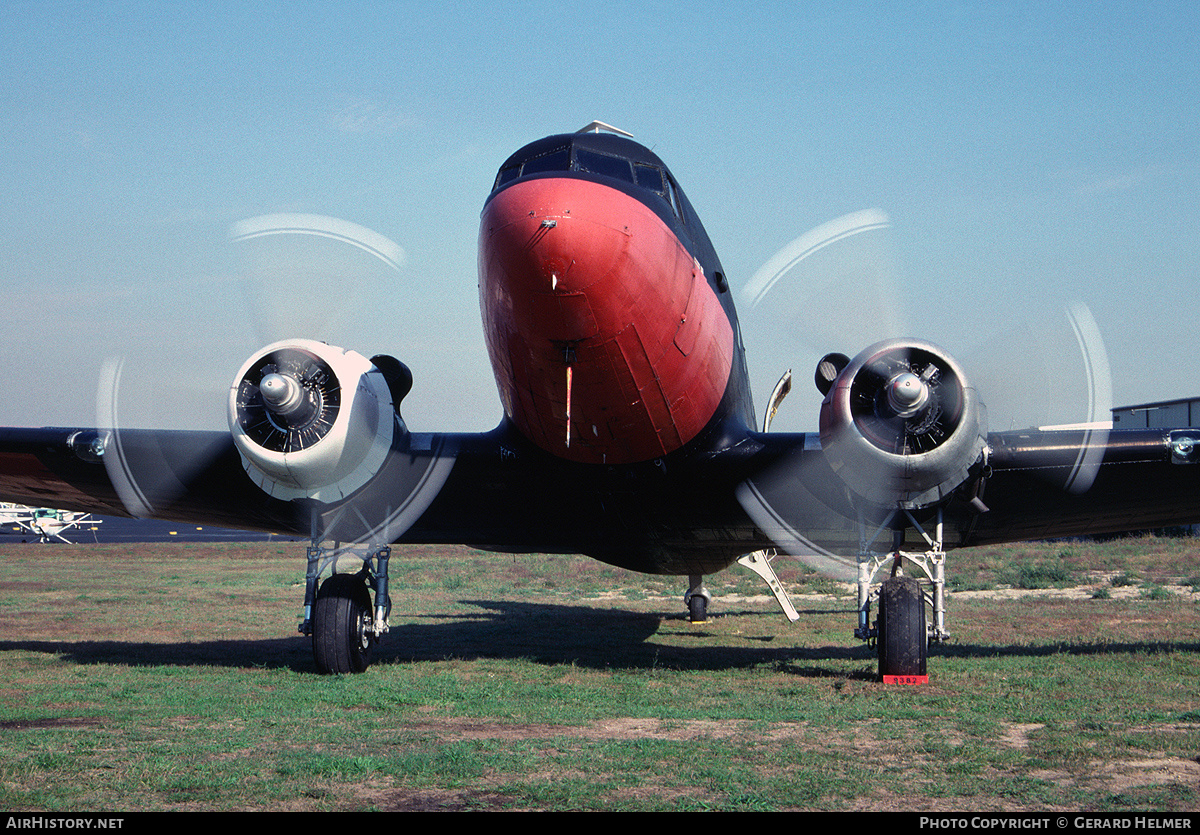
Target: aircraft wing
(1035,484)
(77,469)
(317,447)
(200,477)
(1142,478)
(1030,485)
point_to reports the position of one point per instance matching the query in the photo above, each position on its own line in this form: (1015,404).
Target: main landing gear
(339,615)
(901,633)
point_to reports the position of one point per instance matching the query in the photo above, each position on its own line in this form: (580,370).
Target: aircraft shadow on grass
(586,636)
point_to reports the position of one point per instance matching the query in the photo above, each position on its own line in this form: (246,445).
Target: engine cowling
(901,425)
(311,420)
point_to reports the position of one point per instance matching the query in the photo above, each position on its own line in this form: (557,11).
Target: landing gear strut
(340,618)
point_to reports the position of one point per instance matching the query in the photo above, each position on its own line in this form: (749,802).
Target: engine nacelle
(901,425)
(311,420)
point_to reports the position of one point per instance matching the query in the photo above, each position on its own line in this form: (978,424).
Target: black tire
(698,608)
(902,641)
(341,638)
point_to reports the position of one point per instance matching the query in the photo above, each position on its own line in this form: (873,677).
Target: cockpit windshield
(649,176)
(603,164)
(573,158)
(620,163)
(557,160)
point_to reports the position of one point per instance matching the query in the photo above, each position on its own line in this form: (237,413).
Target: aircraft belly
(659,518)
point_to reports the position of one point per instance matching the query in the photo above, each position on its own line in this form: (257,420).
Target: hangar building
(1174,413)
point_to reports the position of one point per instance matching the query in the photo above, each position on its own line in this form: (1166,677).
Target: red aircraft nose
(607,342)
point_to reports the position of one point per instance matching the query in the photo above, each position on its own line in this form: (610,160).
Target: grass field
(171,677)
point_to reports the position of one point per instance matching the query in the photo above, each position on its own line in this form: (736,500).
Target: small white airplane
(45,523)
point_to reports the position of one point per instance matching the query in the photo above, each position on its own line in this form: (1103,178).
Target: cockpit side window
(507,175)
(673,199)
(649,176)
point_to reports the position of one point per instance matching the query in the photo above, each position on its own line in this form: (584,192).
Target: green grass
(171,677)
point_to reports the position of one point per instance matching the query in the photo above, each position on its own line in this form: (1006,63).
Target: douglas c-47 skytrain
(628,434)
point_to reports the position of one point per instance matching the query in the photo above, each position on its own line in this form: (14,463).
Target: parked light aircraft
(628,434)
(45,523)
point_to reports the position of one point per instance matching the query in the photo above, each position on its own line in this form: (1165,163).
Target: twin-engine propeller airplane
(628,434)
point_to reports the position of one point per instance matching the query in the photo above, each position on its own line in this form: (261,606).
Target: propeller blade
(300,275)
(835,283)
(775,505)
(307,275)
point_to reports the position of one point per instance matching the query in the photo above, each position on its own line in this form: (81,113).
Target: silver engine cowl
(901,425)
(311,420)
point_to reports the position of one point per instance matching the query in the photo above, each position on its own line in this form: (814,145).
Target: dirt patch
(1122,775)
(457,729)
(1082,592)
(460,729)
(1016,735)
(50,722)
(438,801)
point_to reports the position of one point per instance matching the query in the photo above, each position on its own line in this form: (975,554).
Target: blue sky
(1025,154)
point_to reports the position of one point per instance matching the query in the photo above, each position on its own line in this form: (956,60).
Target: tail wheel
(342,618)
(698,608)
(902,640)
